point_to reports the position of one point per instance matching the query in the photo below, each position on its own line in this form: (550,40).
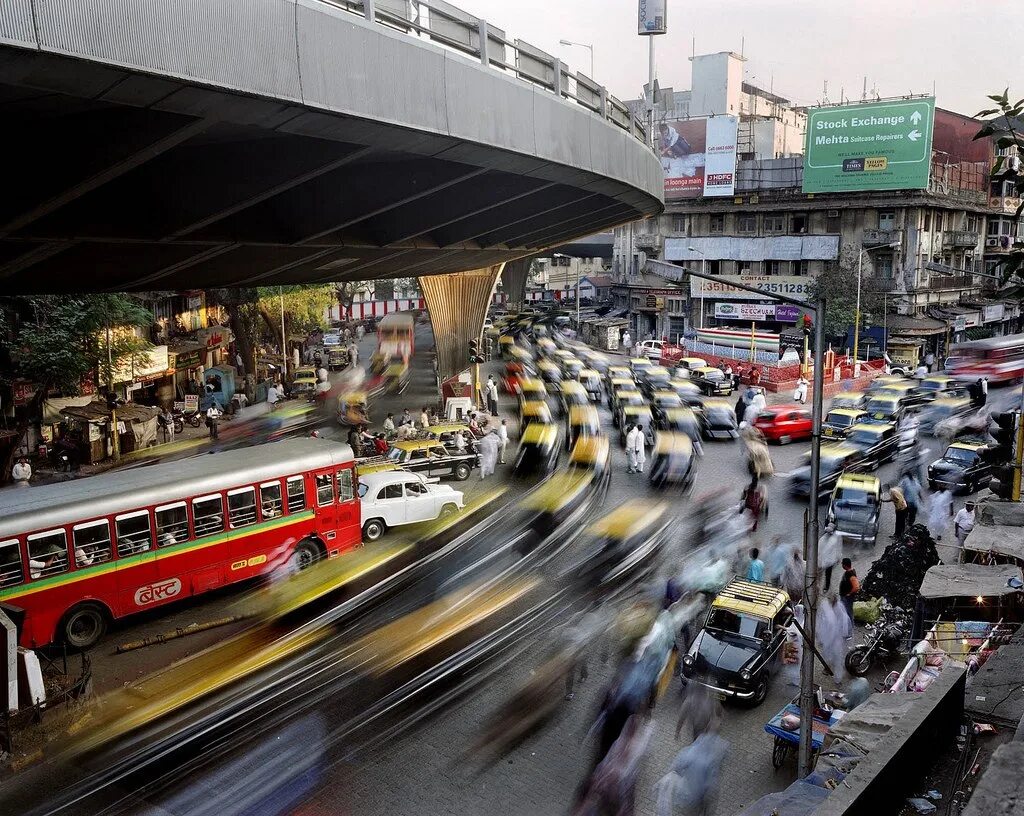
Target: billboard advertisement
(794,286)
(651,17)
(872,146)
(698,156)
(756,311)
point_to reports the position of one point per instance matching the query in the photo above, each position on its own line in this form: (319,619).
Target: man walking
(755,569)
(940,509)
(910,486)
(213,414)
(640,442)
(503,439)
(849,586)
(963,523)
(631,448)
(21,472)
(830,551)
(488,448)
(625,341)
(899,504)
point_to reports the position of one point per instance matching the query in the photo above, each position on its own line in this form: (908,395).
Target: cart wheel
(779,752)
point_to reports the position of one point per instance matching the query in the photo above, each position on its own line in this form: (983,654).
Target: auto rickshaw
(353,408)
(531,411)
(672,461)
(396,377)
(623,545)
(590,379)
(581,421)
(538,450)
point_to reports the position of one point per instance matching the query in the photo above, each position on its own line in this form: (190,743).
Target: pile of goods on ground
(897,573)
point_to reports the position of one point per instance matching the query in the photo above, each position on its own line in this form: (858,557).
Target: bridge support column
(513,281)
(458,305)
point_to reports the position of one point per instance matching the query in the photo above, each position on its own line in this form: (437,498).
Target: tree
(242,307)
(1006,126)
(304,308)
(837,284)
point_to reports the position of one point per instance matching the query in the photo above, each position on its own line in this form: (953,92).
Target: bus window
(171,524)
(346,490)
(11,571)
(47,553)
(296,494)
(207,515)
(270,499)
(324,490)
(92,542)
(242,506)
(133,533)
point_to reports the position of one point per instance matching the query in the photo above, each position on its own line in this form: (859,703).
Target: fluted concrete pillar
(513,281)
(458,305)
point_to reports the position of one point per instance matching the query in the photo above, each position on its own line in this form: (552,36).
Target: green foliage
(1004,127)
(837,284)
(62,338)
(304,306)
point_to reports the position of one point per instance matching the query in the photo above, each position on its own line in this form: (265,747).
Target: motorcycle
(885,643)
(176,421)
(193,418)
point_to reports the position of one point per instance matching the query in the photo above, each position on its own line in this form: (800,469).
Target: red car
(784,423)
(511,377)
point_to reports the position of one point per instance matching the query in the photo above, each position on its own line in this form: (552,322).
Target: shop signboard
(181,360)
(794,286)
(870,146)
(960,323)
(745,311)
(787,314)
(23,391)
(992,313)
(698,156)
(141,365)
(971,320)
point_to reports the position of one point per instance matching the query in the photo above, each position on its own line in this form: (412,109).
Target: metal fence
(450,27)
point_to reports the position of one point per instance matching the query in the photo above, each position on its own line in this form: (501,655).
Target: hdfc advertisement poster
(699,157)
(720,161)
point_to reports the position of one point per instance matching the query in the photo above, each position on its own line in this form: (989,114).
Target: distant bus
(1000,359)
(395,337)
(77,555)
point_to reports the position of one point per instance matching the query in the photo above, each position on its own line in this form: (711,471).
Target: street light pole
(704,272)
(590,48)
(856,313)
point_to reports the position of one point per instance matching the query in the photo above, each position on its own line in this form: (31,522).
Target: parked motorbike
(193,418)
(885,643)
(177,422)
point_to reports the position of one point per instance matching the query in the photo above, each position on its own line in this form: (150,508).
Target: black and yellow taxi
(590,379)
(662,401)
(682,420)
(655,378)
(538,450)
(571,393)
(558,499)
(617,372)
(638,364)
(580,421)
(619,386)
(551,374)
(718,420)
(445,433)
(884,381)
(672,460)
(506,342)
(908,391)
(736,649)
(963,467)
(879,441)
(432,458)
(633,414)
(686,365)
(623,545)
(942,410)
(838,421)
(687,391)
(849,399)
(836,460)
(936,386)
(854,508)
(885,406)
(712,381)
(532,389)
(534,411)
(591,453)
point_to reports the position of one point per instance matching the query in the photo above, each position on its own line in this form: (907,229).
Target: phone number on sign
(777,288)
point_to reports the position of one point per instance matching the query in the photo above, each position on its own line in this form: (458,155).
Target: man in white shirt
(631,448)
(213,414)
(424,418)
(640,444)
(626,341)
(21,472)
(503,438)
(273,397)
(963,523)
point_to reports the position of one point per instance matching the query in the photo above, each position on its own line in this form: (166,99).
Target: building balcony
(882,284)
(647,242)
(960,238)
(938,283)
(880,237)
(997,244)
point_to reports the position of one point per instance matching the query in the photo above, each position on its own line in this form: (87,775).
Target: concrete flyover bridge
(210,143)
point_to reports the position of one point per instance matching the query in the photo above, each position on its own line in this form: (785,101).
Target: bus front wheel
(83,626)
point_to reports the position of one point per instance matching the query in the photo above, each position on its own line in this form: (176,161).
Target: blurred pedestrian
(793,647)
(640,445)
(899,504)
(459,441)
(755,502)
(273,396)
(692,782)
(425,417)
(849,586)
(213,415)
(800,394)
(940,511)
(611,786)
(830,632)
(963,523)
(830,551)
(741,407)
(503,439)
(626,341)
(794,576)
(492,397)
(631,448)
(488,449)
(984,390)
(389,425)
(21,473)
(700,710)
(755,567)
(910,486)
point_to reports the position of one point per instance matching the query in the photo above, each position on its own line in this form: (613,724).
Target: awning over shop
(185,354)
(915,326)
(97,411)
(970,580)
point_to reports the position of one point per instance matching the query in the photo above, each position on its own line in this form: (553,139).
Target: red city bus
(79,554)
(395,338)
(998,359)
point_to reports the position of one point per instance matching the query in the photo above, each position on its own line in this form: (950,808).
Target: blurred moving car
(855,507)
(662,401)
(551,374)
(514,373)
(591,453)
(964,467)
(432,458)
(534,411)
(571,393)
(838,421)
(835,460)
(719,420)
(849,399)
(784,423)
(652,348)
(884,381)
(712,381)
(590,379)
(686,365)
(687,391)
(637,364)
(653,379)
(581,421)
(532,389)
(672,461)
(393,498)
(623,545)
(878,441)
(631,415)
(936,386)
(885,406)
(303,383)
(742,635)
(538,450)
(940,410)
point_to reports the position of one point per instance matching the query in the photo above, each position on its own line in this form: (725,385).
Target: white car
(392,498)
(652,348)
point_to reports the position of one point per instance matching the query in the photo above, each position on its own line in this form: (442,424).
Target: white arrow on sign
(915,117)
(914,135)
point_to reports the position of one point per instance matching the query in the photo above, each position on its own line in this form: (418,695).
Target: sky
(964,50)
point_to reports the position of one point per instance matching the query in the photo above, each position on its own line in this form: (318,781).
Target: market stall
(90,425)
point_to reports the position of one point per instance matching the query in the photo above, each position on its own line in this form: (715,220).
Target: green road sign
(872,146)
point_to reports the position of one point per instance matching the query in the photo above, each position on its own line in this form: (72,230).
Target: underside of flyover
(118,180)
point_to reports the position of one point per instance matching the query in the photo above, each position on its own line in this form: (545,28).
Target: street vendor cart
(787,739)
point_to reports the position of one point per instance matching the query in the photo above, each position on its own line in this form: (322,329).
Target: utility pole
(1018,465)
(284,339)
(115,439)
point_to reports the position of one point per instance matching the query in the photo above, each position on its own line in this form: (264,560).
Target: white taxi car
(392,498)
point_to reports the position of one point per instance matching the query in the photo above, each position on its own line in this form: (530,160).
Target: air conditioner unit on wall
(992,242)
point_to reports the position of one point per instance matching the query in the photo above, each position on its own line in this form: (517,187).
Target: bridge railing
(451,27)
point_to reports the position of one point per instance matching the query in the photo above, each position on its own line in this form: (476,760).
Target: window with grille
(324,490)
(47,553)
(747,223)
(171,524)
(92,543)
(717,223)
(208,515)
(346,489)
(270,500)
(887,219)
(775,222)
(242,506)
(11,570)
(134,535)
(296,494)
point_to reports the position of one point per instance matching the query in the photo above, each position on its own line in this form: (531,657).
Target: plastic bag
(867,611)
